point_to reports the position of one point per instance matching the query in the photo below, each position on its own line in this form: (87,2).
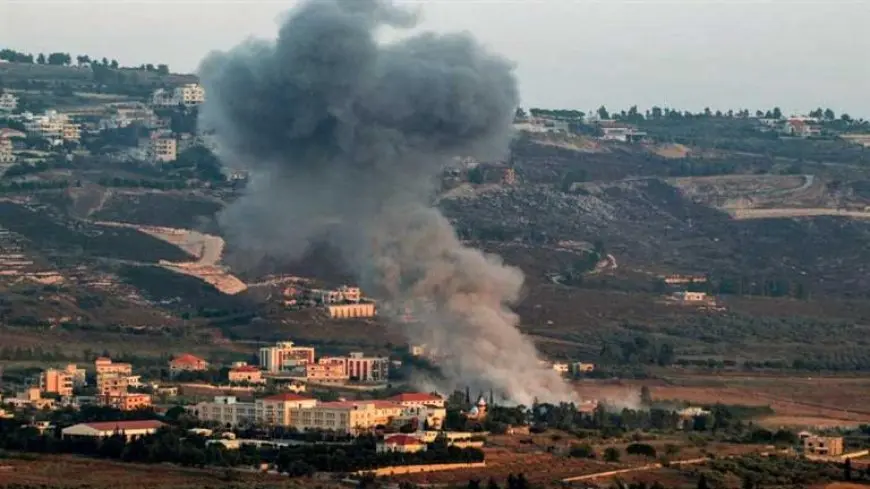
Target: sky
(576,54)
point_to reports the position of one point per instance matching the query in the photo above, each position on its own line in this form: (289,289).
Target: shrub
(612,454)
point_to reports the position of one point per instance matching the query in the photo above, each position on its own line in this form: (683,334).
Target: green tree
(602,113)
(114,64)
(612,454)
(830,115)
(777,113)
(40,59)
(163,69)
(59,59)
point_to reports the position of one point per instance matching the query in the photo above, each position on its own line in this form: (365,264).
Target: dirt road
(780,213)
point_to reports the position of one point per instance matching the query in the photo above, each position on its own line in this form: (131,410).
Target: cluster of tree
(561,114)
(24,168)
(637,351)
(64,59)
(34,185)
(587,262)
(518,481)
(756,471)
(197,162)
(36,353)
(746,285)
(142,183)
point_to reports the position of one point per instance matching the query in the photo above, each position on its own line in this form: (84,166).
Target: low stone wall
(413,469)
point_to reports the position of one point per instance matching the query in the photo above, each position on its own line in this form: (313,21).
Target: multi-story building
(190,94)
(285,356)
(6,155)
(353,310)
(56,381)
(353,417)
(327,370)
(367,369)
(418,399)
(126,401)
(112,384)
(8,102)
(422,406)
(276,410)
(187,363)
(823,445)
(104,365)
(52,126)
(162,148)
(246,373)
(341,295)
(272,411)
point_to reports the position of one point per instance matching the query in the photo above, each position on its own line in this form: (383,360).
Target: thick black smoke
(342,132)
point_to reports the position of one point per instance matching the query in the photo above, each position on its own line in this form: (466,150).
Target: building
(276,410)
(353,417)
(8,102)
(801,127)
(126,401)
(418,399)
(104,365)
(417,350)
(112,384)
(823,445)
(582,368)
(347,311)
(401,443)
(130,429)
(691,296)
(52,126)
(246,373)
(285,356)
(327,370)
(79,375)
(341,295)
(187,363)
(162,148)
(6,154)
(190,94)
(56,381)
(367,369)
(560,367)
(30,397)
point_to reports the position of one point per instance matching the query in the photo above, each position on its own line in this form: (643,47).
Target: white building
(8,102)
(130,429)
(189,95)
(367,369)
(272,411)
(51,125)
(285,356)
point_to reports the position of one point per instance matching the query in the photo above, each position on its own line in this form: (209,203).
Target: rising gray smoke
(346,134)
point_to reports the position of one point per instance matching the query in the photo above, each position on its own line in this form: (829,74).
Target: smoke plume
(345,137)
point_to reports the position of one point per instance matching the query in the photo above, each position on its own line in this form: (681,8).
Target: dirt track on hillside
(741,214)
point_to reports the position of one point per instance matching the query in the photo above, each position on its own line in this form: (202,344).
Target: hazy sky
(569,54)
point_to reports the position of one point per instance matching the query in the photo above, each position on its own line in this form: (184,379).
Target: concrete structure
(30,397)
(285,356)
(276,410)
(367,369)
(401,443)
(353,417)
(346,311)
(823,445)
(341,295)
(246,373)
(801,127)
(562,368)
(582,368)
(51,125)
(6,155)
(8,102)
(126,401)
(130,429)
(189,95)
(327,370)
(104,365)
(691,296)
(57,382)
(187,363)
(162,148)
(79,375)
(273,411)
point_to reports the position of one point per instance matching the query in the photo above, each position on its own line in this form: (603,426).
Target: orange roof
(124,425)
(287,396)
(402,440)
(245,368)
(187,359)
(415,397)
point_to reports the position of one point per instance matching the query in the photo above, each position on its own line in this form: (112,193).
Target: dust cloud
(344,138)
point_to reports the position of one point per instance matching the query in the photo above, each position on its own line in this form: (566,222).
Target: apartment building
(126,401)
(162,148)
(52,126)
(56,381)
(367,369)
(186,363)
(347,311)
(6,155)
(8,102)
(105,365)
(353,417)
(190,94)
(420,406)
(285,356)
(327,370)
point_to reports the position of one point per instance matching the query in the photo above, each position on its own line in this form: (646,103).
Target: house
(30,397)
(187,363)
(690,296)
(52,125)
(162,148)
(246,373)
(104,365)
(823,445)
(346,311)
(285,356)
(126,401)
(401,443)
(801,127)
(582,368)
(560,367)
(130,429)
(615,131)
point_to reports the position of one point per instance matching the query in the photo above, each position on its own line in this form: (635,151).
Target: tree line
(65,59)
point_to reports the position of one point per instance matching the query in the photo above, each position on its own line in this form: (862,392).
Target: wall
(413,469)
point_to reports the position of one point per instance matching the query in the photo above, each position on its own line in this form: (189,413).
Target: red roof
(124,425)
(287,396)
(187,359)
(402,440)
(415,397)
(245,368)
